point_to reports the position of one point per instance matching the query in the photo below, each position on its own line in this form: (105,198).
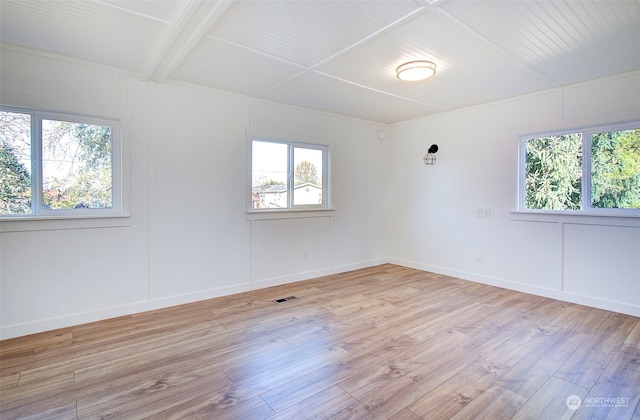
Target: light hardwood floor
(382,342)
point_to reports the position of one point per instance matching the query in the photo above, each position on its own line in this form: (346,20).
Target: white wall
(594,261)
(188,236)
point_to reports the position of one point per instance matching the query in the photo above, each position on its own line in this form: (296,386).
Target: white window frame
(585,208)
(291,145)
(38,211)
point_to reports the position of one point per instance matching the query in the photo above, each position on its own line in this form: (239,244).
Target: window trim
(586,190)
(291,145)
(38,212)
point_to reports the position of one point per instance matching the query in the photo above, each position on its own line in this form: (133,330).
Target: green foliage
(86,148)
(95,143)
(15,190)
(76,164)
(554,175)
(15,152)
(615,170)
(306,172)
(554,172)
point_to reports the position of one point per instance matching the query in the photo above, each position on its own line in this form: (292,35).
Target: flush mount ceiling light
(416,70)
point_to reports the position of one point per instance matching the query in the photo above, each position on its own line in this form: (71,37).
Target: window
(588,171)
(288,175)
(58,165)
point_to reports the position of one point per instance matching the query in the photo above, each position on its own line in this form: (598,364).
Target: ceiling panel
(80,29)
(307,32)
(568,41)
(313,90)
(341,56)
(220,65)
(165,10)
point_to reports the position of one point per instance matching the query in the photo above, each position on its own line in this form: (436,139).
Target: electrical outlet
(484,212)
(305,254)
(478,255)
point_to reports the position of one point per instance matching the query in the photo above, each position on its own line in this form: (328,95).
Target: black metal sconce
(430,157)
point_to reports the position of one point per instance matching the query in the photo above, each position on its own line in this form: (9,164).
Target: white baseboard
(591,301)
(70,320)
(144,306)
(609,305)
(277,281)
(357,266)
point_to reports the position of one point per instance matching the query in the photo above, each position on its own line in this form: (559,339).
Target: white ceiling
(340,56)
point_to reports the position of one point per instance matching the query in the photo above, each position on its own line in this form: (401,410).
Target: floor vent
(283,300)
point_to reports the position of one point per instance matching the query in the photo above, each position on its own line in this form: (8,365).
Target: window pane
(307,176)
(615,169)
(269,175)
(76,165)
(15,163)
(554,172)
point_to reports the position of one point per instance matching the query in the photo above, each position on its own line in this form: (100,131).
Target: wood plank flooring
(385,342)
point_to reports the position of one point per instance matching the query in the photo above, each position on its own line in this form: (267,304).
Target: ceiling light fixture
(416,70)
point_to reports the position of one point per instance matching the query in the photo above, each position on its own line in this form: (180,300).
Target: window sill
(36,223)
(273,214)
(579,218)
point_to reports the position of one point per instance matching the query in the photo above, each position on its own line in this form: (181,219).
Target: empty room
(307,209)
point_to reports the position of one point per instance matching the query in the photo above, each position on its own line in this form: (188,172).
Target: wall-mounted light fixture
(430,157)
(416,70)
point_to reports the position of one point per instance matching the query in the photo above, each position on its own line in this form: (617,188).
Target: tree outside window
(588,170)
(50,164)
